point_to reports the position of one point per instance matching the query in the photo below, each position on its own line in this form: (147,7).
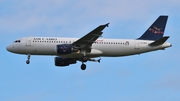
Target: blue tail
(156,30)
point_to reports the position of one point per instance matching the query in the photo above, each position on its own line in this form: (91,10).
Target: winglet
(159,42)
(99,60)
(107,25)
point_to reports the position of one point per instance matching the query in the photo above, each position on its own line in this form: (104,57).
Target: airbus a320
(70,50)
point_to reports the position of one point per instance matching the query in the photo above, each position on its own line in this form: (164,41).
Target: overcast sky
(147,77)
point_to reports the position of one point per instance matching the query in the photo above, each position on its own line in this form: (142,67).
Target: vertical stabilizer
(156,30)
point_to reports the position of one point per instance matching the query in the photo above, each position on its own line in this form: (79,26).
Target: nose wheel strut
(28,59)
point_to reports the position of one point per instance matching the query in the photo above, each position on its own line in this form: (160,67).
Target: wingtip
(107,24)
(99,60)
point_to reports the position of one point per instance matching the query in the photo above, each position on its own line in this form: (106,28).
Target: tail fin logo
(156,30)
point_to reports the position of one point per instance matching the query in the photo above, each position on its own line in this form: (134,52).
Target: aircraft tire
(84,59)
(27,62)
(83,67)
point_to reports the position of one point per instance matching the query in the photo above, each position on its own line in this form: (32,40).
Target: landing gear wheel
(84,59)
(27,62)
(28,59)
(83,67)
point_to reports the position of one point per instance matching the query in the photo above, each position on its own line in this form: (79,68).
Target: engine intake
(65,49)
(59,61)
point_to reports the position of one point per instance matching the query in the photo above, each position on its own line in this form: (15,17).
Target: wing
(86,41)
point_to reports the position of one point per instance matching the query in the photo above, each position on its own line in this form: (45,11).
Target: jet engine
(65,49)
(59,61)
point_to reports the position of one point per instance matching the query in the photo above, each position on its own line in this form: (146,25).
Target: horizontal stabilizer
(159,42)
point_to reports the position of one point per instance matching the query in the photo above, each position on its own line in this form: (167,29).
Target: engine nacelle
(65,49)
(59,61)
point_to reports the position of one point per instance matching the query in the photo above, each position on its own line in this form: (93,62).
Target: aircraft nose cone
(9,48)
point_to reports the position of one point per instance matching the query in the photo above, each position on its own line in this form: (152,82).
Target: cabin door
(28,41)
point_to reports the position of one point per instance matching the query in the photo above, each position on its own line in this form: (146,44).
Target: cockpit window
(17,41)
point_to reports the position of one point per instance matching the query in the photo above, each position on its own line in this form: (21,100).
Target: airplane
(70,50)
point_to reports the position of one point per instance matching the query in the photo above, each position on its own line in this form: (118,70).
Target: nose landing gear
(28,59)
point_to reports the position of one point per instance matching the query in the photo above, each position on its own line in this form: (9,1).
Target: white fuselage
(101,48)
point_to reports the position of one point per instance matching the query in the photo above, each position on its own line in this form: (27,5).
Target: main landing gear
(83,66)
(85,59)
(28,59)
